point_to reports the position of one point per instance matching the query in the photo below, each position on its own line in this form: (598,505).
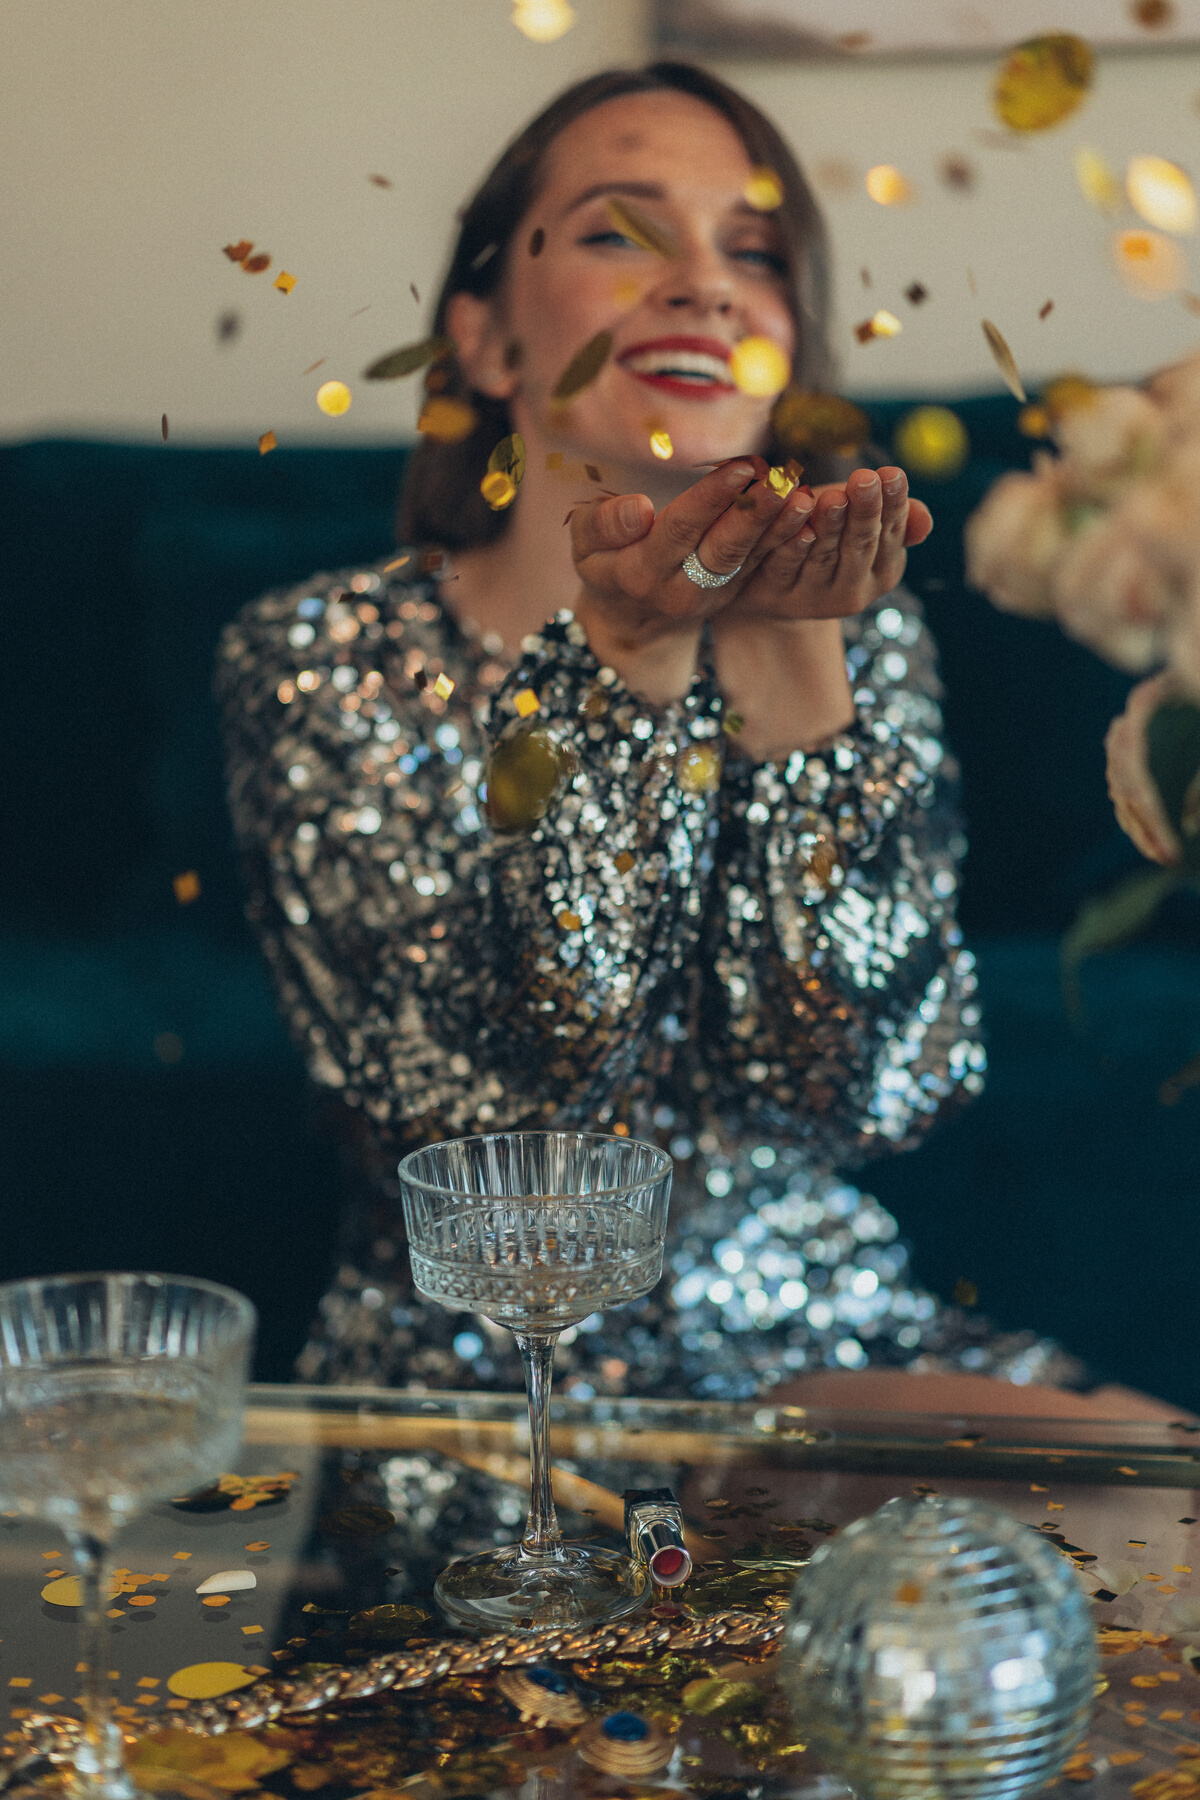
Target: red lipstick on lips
(694,368)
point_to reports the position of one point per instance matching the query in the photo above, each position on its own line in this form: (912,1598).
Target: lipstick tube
(654,1530)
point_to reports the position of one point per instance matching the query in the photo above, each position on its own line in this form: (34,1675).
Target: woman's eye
(609,237)
(761,259)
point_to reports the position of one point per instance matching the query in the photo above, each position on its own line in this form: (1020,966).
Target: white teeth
(686,363)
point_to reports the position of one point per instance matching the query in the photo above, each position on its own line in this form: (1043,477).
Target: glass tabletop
(315,1559)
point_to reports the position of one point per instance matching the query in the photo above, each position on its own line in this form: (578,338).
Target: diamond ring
(695,571)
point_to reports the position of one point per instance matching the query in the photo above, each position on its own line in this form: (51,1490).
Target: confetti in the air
(932,441)
(505,472)
(1045,310)
(554,460)
(583,367)
(187,887)
(957,173)
(285,282)
(763,191)
(240,251)
(1149,264)
(334,398)
(1005,361)
(760,367)
(642,231)
(881,324)
(1152,15)
(661,445)
(1043,82)
(1097,183)
(526,703)
(446,420)
(380,181)
(254,265)
(408,359)
(443,687)
(543,21)
(887,186)
(412,288)
(229,325)
(781,480)
(812,422)
(267,442)
(1162,194)
(917,294)
(165,428)
(593,473)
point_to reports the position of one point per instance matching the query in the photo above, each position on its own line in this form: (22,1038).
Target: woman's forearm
(787,682)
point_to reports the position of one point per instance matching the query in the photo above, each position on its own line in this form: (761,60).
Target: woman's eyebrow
(636,190)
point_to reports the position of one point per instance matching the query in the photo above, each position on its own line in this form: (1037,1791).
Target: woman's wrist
(656,664)
(786,680)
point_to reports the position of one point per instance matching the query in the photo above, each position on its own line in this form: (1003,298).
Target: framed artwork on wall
(885,28)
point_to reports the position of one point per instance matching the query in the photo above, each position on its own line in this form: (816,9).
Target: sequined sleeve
(443,977)
(840,1000)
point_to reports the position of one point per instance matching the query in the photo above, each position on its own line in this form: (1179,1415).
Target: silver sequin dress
(758,966)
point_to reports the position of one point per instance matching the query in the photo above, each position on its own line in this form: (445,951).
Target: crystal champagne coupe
(115,1390)
(536,1230)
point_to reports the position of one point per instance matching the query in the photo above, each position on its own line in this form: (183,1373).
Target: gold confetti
(554,461)
(165,428)
(1123,1470)
(781,481)
(446,420)
(1162,194)
(806,421)
(443,687)
(1097,183)
(526,703)
(181,1556)
(759,367)
(208,1680)
(1034,422)
(583,367)
(1043,81)
(267,442)
(251,1630)
(885,324)
(144,1600)
(334,398)
(642,231)
(1005,361)
(261,1543)
(763,191)
(498,489)
(523,775)
(626,293)
(21,1681)
(239,252)
(1119,1758)
(624,862)
(508,458)
(187,887)
(958,173)
(909,1593)
(699,769)
(285,282)
(888,187)
(380,181)
(215,1600)
(543,21)
(932,441)
(408,359)
(1149,264)
(569,921)
(254,265)
(661,445)
(1046,309)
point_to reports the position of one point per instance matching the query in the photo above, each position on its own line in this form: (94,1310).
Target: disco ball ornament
(939,1648)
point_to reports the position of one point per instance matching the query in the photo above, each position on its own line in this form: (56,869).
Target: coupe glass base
(512,1590)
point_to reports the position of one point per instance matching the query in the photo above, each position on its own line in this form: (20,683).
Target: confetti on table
(181,1555)
(215,1600)
(115,1612)
(1043,82)
(208,1680)
(583,367)
(1120,1758)
(1162,194)
(334,398)
(49,1699)
(764,190)
(1056,1506)
(186,887)
(887,186)
(661,445)
(20,1681)
(285,282)
(446,420)
(267,442)
(149,1681)
(543,21)
(144,1600)
(1005,360)
(251,1630)
(1122,1470)
(408,359)
(644,232)
(760,367)
(261,1543)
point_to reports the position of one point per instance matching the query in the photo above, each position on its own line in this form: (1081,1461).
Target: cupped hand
(1131,786)
(850,550)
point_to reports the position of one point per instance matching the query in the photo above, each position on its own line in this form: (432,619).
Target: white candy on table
(228,1581)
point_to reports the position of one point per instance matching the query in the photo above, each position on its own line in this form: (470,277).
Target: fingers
(610,524)
(1135,798)
(688,522)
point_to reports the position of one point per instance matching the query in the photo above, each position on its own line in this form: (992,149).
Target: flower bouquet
(1104,537)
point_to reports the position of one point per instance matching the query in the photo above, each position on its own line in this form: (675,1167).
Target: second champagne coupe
(536,1230)
(115,1390)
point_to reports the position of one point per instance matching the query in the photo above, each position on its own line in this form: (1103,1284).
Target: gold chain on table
(55,1736)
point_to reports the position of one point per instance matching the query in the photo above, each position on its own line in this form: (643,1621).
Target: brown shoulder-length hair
(440,502)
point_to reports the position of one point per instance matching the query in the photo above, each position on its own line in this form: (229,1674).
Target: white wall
(139,136)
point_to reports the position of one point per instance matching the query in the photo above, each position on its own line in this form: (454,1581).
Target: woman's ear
(481,346)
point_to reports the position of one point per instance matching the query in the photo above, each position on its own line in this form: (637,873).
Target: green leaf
(1173,748)
(408,359)
(1110,920)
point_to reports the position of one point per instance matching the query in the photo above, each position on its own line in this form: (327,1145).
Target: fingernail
(895,484)
(835,514)
(629,513)
(737,474)
(807,536)
(867,489)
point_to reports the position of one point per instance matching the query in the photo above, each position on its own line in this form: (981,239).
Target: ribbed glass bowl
(939,1648)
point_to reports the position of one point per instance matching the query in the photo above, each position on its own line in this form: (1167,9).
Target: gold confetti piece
(644,232)
(251,1630)
(583,367)
(1119,1758)
(1161,193)
(182,1556)
(1005,361)
(149,1681)
(320,362)
(592,473)
(115,1612)
(1035,1489)
(254,265)
(805,421)
(240,251)
(508,458)
(760,367)
(523,775)
(1097,183)
(1144,1681)
(624,862)
(498,489)
(165,428)
(699,769)
(885,324)
(661,445)
(1122,1470)
(215,1600)
(208,1680)
(446,420)
(887,186)
(49,1699)
(1056,1506)
(554,461)
(443,687)
(1043,81)
(543,21)
(1181,1568)
(267,442)
(144,1600)
(932,441)
(526,703)
(408,359)
(21,1681)
(957,173)
(781,481)
(380,181)
(334,398)
(1149,264)
(261,1543)
(569,921)
(187,887)
(763,191)
(1034,422)
(285,282)
(909,1594)
(1045,310)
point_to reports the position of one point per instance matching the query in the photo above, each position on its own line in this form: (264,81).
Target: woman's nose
(697,279)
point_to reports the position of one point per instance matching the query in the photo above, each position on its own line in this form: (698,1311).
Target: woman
(755,963)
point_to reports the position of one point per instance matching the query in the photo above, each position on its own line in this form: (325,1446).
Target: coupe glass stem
(542,1535)
(100,1758)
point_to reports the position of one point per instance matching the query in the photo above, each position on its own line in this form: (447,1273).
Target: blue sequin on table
(626,1728)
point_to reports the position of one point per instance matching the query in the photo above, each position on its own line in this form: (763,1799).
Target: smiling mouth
(679,369)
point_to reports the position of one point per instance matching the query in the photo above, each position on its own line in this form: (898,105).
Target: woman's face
(674,320)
